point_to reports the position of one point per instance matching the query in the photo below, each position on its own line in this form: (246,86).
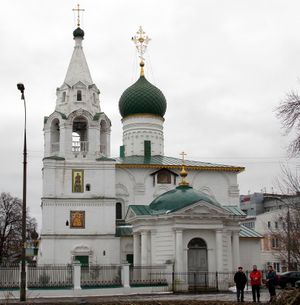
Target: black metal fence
(94,276)
(148,275)
(9,276)
(50,276)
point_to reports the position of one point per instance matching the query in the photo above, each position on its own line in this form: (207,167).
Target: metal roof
(247,232)
(159,161)
(234,210)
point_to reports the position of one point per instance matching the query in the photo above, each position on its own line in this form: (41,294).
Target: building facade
(100,209)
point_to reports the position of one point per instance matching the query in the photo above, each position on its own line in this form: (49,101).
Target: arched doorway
(197,263)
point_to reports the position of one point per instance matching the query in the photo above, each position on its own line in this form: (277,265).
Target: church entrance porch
(197,264)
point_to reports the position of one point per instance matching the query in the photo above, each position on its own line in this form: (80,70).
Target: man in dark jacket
(240,280)
(271,282)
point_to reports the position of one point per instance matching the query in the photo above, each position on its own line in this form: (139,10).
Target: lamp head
(21,87)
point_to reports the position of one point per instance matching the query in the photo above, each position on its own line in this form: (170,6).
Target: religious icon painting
(77,180)
(77,219)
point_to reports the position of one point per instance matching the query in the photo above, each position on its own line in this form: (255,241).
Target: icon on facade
(77,219)
(77,181)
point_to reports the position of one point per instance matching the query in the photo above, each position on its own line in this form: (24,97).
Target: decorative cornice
(200,168)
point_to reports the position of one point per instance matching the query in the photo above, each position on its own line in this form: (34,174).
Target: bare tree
(289,114)
(11,227)
(286,237)
(289,181)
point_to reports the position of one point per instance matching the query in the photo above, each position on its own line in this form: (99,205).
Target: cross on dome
(78,9)
(141,41)
(183,172)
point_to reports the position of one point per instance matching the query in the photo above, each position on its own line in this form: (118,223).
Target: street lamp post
(21,87)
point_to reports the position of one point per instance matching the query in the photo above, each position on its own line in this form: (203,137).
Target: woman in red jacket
(255,277)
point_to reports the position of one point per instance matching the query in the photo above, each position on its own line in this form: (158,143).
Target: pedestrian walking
(270,282)
(240,280)
(255,277)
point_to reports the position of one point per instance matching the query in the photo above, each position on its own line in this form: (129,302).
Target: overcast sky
(223,66)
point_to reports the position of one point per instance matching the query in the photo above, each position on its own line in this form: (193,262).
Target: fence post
(170,275)
(76,275)
(125,275)
(26,271)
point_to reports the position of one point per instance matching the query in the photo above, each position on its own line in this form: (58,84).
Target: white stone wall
(137,129)
(136,185)
(61,250)
(250,253)
(57,178)
(99,216)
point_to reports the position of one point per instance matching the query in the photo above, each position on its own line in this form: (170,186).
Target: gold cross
(78,13)
(183,154)
(141,41)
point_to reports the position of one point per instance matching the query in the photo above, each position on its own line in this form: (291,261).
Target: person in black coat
(240,280)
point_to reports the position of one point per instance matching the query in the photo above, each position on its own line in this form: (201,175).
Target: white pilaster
(235,250)
(144,248)
(136,249)
(219,250)
(179,251)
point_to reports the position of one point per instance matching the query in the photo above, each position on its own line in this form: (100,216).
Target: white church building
(141,207)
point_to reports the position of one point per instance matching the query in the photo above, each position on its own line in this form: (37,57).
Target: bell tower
(78,203)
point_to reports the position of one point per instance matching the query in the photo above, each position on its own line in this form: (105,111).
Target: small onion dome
(78,33)
(142,98)
(180,197)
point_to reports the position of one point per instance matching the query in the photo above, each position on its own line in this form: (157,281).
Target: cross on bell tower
(78,9)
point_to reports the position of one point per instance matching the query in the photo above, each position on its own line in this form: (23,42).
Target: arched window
(197,243)
(118,210)
(63,97)
(88,187)
(94,98)
(79,95)
(55,136)
(80,135)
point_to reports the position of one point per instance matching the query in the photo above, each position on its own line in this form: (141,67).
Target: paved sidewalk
(230,296)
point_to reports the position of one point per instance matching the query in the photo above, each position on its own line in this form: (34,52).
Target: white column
(219,250)
(235,250)
(229,253)
(136,249)
(178,251)
(144,248)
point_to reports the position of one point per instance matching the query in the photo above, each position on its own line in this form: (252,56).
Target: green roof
(105,159)
(125,230)
(178,198)
(234,210)
(142,98)
(54,158)
(247,232)
(159,161)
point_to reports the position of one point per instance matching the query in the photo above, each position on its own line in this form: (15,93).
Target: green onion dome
(178,198)
(142,98)
(78,33)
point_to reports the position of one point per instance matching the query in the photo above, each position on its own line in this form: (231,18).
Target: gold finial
(141,41)
(78,9)
(183,172)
